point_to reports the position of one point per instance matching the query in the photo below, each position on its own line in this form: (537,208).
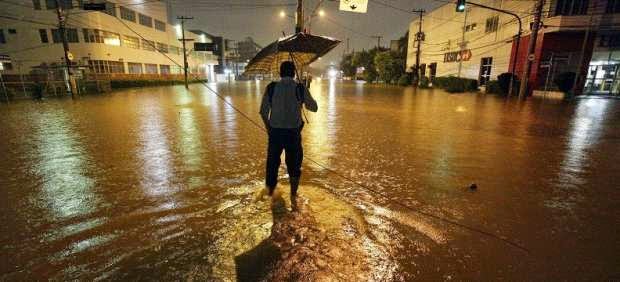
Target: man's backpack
(300,91)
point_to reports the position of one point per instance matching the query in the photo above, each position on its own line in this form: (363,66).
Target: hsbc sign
(457,56)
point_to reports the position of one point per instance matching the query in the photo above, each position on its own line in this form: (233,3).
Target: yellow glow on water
(190,139)
(154,151)
(461,109)
(63,165)
(584,132)
(319,133)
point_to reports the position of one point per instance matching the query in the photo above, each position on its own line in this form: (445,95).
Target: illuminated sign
(457,56)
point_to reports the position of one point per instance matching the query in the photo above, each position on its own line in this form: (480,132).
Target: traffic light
(460,6)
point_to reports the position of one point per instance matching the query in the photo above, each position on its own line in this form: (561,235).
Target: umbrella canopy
(301,48)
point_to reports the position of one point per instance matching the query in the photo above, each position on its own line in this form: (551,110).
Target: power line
(367,188)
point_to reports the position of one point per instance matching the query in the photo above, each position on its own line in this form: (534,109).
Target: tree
(389,65)
(346,65)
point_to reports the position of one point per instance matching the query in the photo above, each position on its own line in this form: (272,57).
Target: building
(128,38)
(578,36)
(247,49)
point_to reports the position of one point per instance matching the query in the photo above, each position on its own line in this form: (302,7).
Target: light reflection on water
(61,166)
(109,173)
(155,152)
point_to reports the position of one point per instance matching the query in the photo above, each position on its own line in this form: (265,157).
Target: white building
(122,40)
(479,43)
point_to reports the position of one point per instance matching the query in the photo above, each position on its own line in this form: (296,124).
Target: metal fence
(30,86)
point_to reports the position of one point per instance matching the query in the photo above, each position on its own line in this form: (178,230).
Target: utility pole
(347,45)
(299,17)
(462,43)
(531,49)
(582,55)
(378,37)
(418,37)
(185,65)
(65,46)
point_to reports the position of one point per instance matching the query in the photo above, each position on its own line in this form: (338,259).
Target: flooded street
(158,184)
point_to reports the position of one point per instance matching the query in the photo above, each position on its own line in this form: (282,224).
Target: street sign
(356,6)
(205,47)
(457,56)
(531,57)
(4,58)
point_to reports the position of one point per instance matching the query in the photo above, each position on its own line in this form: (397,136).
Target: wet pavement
(159,183)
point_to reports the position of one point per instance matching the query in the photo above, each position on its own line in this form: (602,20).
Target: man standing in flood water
(281,111)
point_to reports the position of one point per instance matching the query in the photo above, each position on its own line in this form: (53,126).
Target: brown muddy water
(158,184)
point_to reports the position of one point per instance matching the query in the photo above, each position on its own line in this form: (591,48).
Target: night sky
(237,19)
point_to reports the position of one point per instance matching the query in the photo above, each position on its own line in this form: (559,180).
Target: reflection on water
(154,152)
(157,184)
(62,167)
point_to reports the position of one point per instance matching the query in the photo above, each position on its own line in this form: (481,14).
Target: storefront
(603,76)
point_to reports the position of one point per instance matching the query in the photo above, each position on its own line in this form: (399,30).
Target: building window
(12,31)
(36,4)
(609,40)
(571,7)
(148,45)
(161,47)
(100,66)
(470,27)
(110,9)
(92,36)
(111,38)
(128,15)
(65,4)
(131,42)
(7,66)
(432,71)
(43,35)
(50,4)
(485,70)
(2,38)
(159,25)
(164,69)
(71,33)
(150,68)
(145,20)
(613,6)
(492,24)
(134,67)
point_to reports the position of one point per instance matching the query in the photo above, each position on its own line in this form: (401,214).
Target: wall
(27,50)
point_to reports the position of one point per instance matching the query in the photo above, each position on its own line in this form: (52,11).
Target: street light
(460,6)
(321,13)
(282,14)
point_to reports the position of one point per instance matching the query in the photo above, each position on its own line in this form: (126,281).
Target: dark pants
(288,140)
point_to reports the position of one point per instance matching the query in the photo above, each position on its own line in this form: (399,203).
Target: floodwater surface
(159,184)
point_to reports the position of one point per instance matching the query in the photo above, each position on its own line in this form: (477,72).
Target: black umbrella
(301,48)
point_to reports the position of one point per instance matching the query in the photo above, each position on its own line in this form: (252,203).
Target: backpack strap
(271,87)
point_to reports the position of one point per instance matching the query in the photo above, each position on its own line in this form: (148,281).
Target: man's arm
(265,108)
(309,101)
